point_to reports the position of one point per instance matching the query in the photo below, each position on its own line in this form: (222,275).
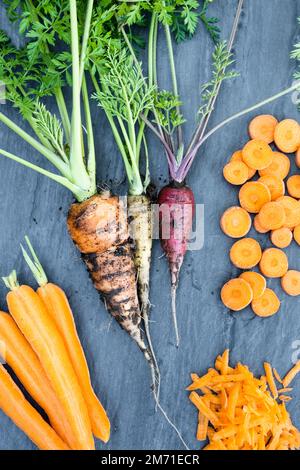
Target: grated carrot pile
(237,411)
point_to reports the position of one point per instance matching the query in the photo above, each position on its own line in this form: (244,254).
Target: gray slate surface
(30,204)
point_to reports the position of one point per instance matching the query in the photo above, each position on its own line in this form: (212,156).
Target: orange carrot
(279,167)
(258,227)
(266,305)
(235,222)
(293,186)
(292,211)
(274,263)
(236,294)
(236,172)
(256,281)
(291,375)
(59,309)
(297,158)
(262,127)
(272,215)
(290,282)
(238,157)
(19,410)
(296,234)
(287,135)
(202,427)
(245,253)
(257,154)
(282,237)
(27,367)
(40,330)
(253,195)
(270,379)
(275,185)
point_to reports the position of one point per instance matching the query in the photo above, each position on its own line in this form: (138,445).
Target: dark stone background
(30,204)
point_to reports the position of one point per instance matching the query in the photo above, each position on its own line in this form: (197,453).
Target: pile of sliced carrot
(275,212)
(43,349)
(237,411)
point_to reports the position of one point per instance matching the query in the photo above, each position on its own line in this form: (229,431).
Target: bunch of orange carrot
(237,411)
(274,211)
(42,347)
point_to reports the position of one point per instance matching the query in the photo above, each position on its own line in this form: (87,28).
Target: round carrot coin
(236,172)
(272,215)
(236,294)
(290,282)
(238,156)
(292,211)
(263,127)
(279,167)
(266,305)
(253,195)
(274,263)
(235,222)
(275,185)
(257,154)
(257,282)
(282,237)
(287,135)
(293,186)
(296,234)
(245,253)
(258,227)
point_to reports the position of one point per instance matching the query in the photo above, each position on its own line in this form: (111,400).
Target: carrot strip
(205,410)
(40,330)
(27,367)
(59,309)
(232,401)
(19,410)
(202,427)
(291,375)
(270,379)
(225,362)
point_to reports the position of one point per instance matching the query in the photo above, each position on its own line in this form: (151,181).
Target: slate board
(30,204)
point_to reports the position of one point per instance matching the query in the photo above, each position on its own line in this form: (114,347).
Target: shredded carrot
(238,411)
(291,375)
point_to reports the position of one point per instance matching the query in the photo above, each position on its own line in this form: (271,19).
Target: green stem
(91,163)
(57,178)
(174,78)
(34,264)
(51,156)
(60,100)
(11,281)
(78,169)
(87,25)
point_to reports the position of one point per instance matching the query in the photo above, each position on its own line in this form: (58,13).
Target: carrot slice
(238,157)
(282,237)
(296,234)
(291,375)
(277,376)
(275,185)
(297,158)
(274,263)
(287,135)
(253,195)
(236,172)
(21,412)
(257,282)
(270,379)
(293,186)
(262,127)
(257,154)
(235,222)
(266,305)
(258,227)
(236,294)
(292,211)
(245,253)
(279,167)
(272,215)
(290,282)
(202,427)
